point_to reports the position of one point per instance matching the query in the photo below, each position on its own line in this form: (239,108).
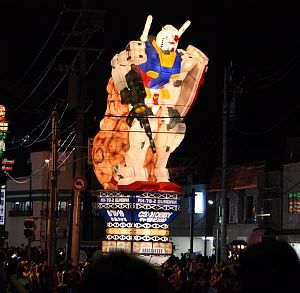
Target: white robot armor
(168,84)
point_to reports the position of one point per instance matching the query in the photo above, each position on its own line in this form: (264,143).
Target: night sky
(261,41)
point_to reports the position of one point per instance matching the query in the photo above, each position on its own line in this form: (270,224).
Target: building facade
(29,197)
(255,198)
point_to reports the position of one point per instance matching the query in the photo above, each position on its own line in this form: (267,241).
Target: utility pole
(223,199)
(205,229)
(54,194)
(78,103)
(80,137)
(30,206)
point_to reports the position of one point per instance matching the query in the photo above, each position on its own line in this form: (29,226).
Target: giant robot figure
(153,86)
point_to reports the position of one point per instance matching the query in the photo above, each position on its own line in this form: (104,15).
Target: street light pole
(205,230)
(207,204)
(47,161)
(30,188)
(192,221)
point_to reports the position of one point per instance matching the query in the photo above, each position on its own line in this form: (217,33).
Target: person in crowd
(121,272)
(269,266)
(17,283)
(3,275)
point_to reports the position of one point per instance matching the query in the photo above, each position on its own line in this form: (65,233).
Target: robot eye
(176,38)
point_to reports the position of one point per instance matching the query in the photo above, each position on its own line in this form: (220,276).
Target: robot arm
(121,63)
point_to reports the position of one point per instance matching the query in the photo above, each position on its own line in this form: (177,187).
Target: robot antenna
(183,28)
(144,35)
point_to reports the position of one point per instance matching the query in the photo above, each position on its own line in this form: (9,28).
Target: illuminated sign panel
(136,200)
(145,207)
(294,203)
(199,202)
(137,231)
(2,205)
(138,247)
(138,221)
(138,216)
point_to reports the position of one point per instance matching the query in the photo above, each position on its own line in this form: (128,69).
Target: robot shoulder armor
(135,53)
(119,59)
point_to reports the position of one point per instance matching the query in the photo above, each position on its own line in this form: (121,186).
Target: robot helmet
(167,39)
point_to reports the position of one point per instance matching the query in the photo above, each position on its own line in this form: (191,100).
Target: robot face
(167,39)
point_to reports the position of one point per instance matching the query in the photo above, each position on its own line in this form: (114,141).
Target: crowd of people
(269,266)
(18,273)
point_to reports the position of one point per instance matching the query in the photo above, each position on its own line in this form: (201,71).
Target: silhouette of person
(119,272)
(269,266)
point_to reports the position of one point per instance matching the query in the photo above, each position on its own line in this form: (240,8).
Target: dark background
(260,39)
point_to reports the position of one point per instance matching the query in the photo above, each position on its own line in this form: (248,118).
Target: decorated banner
(139,218)
(139,207)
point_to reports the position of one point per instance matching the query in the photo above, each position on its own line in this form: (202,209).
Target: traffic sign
(79,183)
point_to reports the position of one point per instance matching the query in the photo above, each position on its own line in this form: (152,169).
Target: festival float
(152,87)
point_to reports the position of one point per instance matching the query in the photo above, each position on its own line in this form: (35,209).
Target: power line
(37,57)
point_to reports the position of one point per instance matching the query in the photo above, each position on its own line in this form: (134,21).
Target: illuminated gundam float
(152,87)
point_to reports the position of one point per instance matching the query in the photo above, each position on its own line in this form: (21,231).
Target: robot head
(167,39)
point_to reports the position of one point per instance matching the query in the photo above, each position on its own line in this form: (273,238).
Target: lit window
(62,205)
(20,206)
